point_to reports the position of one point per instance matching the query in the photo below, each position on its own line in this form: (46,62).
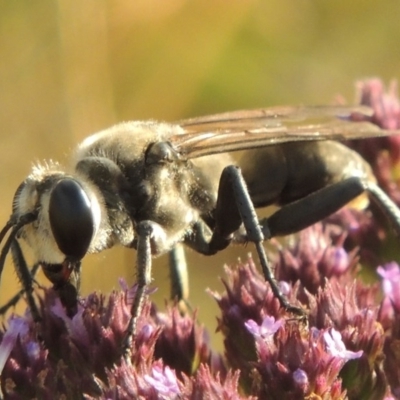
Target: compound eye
(71,218)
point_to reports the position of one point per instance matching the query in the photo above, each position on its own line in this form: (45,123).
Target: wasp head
(64,212)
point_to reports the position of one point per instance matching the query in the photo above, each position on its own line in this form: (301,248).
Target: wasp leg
(234,207)
(387,206)
(26,277)
(17,297)
(143,264)
(12,302)
(179,277)
(302,213)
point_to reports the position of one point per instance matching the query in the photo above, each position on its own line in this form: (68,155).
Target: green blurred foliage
(69,68)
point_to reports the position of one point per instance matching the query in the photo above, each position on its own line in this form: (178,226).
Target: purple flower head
(164,382)
(316,255)
(382,153)
(358,230)
(182,343)
(203,385)
(297,365)
(389,317)
(390,274)
(17,326)
(336,347)
(385,104)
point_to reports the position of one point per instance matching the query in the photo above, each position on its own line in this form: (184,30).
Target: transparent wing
(247,129)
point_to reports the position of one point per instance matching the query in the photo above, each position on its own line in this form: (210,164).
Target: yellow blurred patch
(359,203)
(396,172)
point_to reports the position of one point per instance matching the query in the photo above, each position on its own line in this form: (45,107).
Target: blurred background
(70,68)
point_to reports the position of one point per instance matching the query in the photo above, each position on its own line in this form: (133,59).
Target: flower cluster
(339,351)
(346,348)
(382,153)
(81,357)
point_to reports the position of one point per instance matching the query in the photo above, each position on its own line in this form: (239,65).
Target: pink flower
(391,278)
(164,382)
(336,347)
(267,328)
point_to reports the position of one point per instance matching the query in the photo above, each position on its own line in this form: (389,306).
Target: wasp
(154,186)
